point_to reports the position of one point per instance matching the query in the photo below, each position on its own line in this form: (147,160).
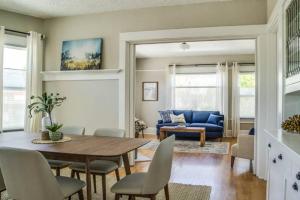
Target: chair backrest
(110,132)
(27,175)
(73,130)
(2,185)
(159,171)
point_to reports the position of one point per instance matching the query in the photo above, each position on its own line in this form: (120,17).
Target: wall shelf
(80,75)
(292,84)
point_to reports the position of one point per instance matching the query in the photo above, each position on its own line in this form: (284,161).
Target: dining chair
(103,166)
(148,184)
(28,176)
(58,165)
(2,185)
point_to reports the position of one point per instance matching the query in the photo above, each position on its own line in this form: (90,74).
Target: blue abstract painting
(85,54)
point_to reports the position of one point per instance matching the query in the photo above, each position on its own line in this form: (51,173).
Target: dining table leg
(126,163)
(88,179)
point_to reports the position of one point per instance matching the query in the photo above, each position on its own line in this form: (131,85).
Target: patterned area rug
(177,191)
(185,146)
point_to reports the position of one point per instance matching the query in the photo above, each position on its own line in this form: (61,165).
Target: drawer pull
(280,157)
(298,176)
(295,186)
(274,160)
(269,145)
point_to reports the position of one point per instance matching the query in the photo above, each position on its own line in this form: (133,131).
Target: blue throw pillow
(252,131)
(214,119)
(166,116)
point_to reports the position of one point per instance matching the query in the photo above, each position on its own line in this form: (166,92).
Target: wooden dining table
(79,149)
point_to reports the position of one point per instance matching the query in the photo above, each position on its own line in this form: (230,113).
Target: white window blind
(247,94)
(14,87)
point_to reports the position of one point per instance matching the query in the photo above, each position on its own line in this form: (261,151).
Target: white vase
(45,122)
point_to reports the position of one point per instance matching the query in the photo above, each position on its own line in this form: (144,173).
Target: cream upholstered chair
(101,167)
(150,183)
(57,165)
(244,148)
(2,185)
(27,176)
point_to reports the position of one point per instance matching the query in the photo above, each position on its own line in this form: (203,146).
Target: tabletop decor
(84,54)
(54,132)
(41,141)
(292,124)
(45,104)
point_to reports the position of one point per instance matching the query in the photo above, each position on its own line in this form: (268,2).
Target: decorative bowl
(55,136)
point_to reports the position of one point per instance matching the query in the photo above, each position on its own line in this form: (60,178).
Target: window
(14,87)
(196,91)
(247,94)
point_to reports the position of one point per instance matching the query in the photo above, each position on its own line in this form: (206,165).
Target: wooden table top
(79,145)
(178,128)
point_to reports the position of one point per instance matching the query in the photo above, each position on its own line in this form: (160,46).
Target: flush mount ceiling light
(184,46)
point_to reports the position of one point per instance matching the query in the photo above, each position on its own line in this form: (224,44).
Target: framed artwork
(85,54)
(150,91)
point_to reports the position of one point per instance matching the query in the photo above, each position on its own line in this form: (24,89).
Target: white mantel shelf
(80,75)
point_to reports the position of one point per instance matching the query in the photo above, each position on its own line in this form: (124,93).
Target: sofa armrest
(160,121)
(246,146)
(221,123)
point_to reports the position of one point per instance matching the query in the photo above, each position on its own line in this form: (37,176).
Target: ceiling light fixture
(184,46)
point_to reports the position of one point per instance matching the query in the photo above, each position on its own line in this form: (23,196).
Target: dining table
(78,149)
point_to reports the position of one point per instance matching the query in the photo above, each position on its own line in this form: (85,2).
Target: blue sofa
(196,119)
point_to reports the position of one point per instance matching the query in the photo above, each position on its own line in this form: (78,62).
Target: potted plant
(45,104)
(54,132)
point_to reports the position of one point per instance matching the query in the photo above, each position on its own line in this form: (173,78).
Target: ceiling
(59,8)
(202,48)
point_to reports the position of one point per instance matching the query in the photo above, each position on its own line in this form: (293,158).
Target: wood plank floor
(213,170)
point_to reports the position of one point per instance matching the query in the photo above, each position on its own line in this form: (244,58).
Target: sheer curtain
(222,93)
(34,81)
(2,35)
(235,118)
(171,75)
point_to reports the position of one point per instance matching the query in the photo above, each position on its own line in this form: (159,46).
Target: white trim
(151,70)
(103,74)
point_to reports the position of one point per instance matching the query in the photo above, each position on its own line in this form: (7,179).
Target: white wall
(148,111)
(91,104)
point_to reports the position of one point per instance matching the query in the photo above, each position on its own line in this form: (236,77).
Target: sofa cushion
(187,114)
(214,119)
(165,116)
(208,127)
(202,116)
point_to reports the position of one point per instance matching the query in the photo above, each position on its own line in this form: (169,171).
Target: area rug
(177,191)
(185,146)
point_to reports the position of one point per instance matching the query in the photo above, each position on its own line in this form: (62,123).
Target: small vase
(45,122)
(45,135)
(55,136)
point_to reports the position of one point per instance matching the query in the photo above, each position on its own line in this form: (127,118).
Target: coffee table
(197,130)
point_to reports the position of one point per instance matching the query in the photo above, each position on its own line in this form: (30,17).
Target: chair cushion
(214,119)
(165,116)
(97,166)
(187,114)
(202,116)
(69,186)
(208,127)
(131,184)
(58,163)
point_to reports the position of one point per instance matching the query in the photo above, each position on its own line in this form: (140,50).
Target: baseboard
(229,133)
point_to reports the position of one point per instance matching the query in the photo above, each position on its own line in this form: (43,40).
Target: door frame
(127,64)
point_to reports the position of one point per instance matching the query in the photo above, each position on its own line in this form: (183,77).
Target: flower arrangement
(292,124)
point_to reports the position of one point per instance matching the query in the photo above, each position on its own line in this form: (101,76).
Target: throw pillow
(214,119)
(165,116)
(252,131)
(178,118)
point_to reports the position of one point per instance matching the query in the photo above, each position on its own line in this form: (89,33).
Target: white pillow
(177,118)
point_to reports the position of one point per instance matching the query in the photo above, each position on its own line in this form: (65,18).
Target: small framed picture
(150,91)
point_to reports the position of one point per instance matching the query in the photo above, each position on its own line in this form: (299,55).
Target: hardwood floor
(213,170)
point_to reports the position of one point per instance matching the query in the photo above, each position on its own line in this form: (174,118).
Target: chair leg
(251,166)
(117,174)
(70,198)
(166,188)
(78,175)
(117,197)
(232,161)
(72,174)
(80,195)
(104,187)
(143,133)
(95,183)
(57,171)
(131,197)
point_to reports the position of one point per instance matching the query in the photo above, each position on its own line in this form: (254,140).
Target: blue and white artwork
(85,54)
